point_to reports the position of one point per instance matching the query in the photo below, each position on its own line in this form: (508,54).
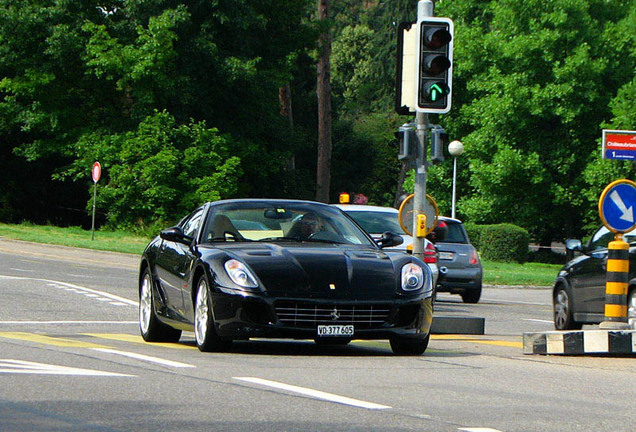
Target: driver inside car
(309,225)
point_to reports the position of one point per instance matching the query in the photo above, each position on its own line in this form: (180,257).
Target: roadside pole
(616,285)
(425,9)
(419,197)
(96,173)
(423,87)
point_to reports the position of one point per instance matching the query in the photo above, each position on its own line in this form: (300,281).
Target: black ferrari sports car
(257,268)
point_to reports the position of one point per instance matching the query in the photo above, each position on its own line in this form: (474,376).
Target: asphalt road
(71,359)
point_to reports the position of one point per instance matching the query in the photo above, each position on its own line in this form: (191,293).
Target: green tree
(531,91)
(76,78)
(161,170)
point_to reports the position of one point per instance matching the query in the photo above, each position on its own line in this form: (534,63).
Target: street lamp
(455,148)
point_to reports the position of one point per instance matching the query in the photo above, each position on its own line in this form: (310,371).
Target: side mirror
(175,234)
(573,245)
(389,239)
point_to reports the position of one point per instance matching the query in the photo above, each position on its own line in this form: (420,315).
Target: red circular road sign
(97,171)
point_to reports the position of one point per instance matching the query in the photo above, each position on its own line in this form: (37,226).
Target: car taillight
(474,258)
(430,254)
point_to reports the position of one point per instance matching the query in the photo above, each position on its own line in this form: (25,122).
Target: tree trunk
(323,91)
(284,96)
(399,193)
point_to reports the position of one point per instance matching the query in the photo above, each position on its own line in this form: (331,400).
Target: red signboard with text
(619,144)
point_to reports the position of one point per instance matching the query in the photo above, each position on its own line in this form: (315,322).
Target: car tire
(563,318)
(472,296)
(204,330)
(409,346)
(152,330)
(631,309)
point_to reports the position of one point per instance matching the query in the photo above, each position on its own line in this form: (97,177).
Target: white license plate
(446,255)
(335,330)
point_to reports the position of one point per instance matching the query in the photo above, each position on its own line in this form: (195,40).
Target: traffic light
(435,65)
(407,142)
(439,140)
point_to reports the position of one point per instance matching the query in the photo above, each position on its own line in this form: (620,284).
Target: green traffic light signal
(435,91)
(435,65)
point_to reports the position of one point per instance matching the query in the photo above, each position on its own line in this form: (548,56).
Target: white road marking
(10,366)
(538,320)
(314,393)
(513,302)
(145,358)
(76,288)
(479,430)
(67,322)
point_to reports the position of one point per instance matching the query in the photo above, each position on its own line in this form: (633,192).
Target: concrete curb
(458,325)
(580,342)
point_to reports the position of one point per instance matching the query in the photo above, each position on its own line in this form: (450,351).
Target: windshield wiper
(280,239)
(324,241)
(226,239)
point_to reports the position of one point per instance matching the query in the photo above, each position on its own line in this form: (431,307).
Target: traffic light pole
(419,197)
(424,10)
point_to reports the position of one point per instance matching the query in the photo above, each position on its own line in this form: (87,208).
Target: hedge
(502,242)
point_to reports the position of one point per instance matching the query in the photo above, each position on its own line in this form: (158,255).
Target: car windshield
(284,221)
(602,237)
(376,222)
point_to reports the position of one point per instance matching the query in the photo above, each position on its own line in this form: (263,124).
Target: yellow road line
(122,337)
(69,343)
(47,340)
(511,344)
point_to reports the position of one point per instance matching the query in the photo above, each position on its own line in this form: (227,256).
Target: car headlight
(412,277)
(240,274)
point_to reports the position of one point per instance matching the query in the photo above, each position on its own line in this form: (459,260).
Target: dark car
(579,290)
(459,264)
(297,269)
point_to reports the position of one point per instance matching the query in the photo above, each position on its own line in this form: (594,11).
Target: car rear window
(455,233)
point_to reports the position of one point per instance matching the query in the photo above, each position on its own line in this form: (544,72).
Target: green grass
(528,274)
(114,241)
(495,273)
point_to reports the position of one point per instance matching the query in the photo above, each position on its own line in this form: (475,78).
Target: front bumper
(254,316)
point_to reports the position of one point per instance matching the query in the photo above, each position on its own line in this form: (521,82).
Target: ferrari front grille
(308,315)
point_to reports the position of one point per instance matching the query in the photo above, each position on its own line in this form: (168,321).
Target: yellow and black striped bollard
(616,285)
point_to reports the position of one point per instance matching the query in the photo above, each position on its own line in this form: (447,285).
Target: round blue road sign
(616,206)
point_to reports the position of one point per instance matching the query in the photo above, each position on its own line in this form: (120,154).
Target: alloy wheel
(145,304)
(631,310)
(201,313)
(561,309)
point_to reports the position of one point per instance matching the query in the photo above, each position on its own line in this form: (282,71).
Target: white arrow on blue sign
(616,206)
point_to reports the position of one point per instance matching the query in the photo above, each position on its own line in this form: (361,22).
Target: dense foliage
(500,242)
(178,100)
(181,102)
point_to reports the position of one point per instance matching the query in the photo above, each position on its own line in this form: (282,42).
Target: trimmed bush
(502,242)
